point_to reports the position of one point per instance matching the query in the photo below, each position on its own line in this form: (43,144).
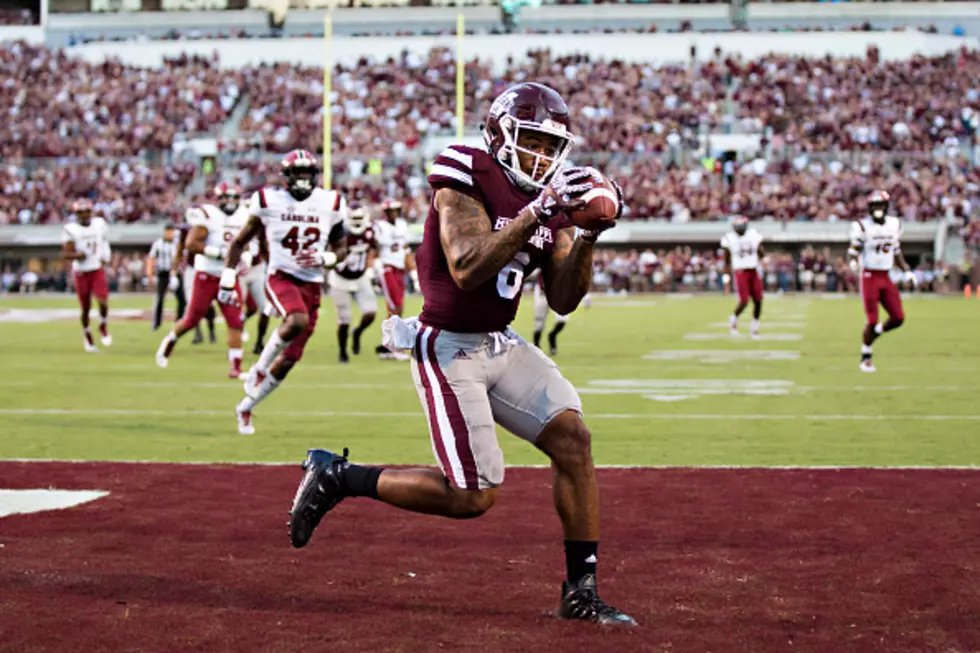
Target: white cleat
(867,366)
(244,421)
(245,336)
(253,380)
(401,356)
(90,349)
(162,361)
(107,340)
(734,332)
(754,335)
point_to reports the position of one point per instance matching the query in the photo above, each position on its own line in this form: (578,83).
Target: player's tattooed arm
(568,272)
(474,251)
(251,229)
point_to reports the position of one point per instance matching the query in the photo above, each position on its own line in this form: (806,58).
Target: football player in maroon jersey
(495,217)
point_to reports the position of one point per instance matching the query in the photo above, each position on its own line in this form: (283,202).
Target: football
(601,204)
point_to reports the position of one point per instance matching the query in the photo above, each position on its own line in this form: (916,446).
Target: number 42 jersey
(293,226)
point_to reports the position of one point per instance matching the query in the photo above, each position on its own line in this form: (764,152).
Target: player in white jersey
(253,285)
(350,281)
(212,229)
(875,249)
(541,309)
(86,244)
(394,259)
(299,221)
(743,251)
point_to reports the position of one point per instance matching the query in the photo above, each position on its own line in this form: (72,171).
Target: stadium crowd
(829,130)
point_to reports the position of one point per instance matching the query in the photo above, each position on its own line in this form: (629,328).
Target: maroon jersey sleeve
(456,167)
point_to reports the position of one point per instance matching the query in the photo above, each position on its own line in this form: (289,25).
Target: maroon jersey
(358,245)
(493,305)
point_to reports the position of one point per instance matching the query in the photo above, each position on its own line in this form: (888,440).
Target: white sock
(733,321)
(268,384)
(234,354)
(866,349)
(167,339)
(755,325)
(272,350)
(879,328)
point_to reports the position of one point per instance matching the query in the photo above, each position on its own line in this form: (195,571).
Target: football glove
(563,193)
(226,290)
(911,278)
(174,283)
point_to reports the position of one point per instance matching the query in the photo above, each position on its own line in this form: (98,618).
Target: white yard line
(773,337)
(419,415)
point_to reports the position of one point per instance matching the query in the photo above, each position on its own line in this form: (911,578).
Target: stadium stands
(828,130)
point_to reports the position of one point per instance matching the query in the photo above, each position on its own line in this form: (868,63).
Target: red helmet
(300,168)
(740,223)
(527,108)
(878,204)
(392,209)
(228,195)
(82,208)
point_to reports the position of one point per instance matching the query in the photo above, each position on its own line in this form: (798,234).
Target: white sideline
(296,463)
(419,415)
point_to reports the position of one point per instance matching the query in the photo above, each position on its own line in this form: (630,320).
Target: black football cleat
(343,359)
(582,602)
(257,349)
(318,492)
(356,342)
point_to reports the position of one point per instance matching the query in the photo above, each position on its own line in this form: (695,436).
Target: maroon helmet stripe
(262,202)
(457,422)
(430,403)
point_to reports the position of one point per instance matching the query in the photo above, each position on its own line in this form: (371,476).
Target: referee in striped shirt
(160,262)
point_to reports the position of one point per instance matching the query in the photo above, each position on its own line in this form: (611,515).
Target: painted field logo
(681,389)
(18,502)
(722,355)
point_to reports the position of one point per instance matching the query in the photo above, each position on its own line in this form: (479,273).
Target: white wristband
(228,278)
(213,251)
(329,259)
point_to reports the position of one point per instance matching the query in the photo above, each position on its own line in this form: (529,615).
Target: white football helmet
(357,220)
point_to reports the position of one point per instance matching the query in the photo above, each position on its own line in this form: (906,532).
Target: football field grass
(661,381)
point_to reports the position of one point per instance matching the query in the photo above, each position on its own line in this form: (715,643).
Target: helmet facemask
(878,210)
(740,225)
(301,180)
(541,166)
(357,221)
(229,202)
